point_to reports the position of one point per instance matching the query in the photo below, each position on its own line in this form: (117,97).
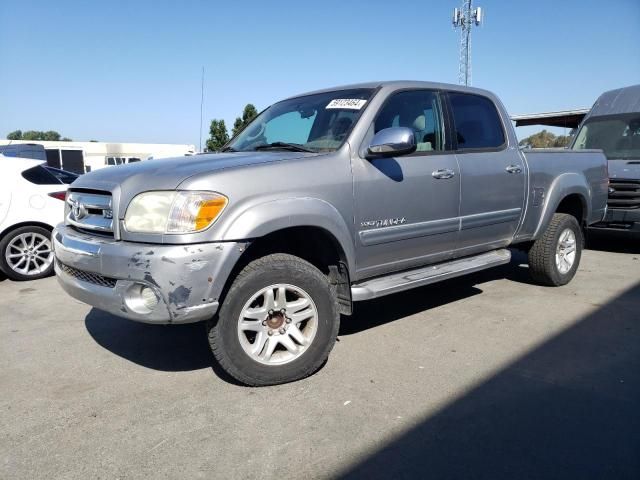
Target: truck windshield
(315,123)
(617,135)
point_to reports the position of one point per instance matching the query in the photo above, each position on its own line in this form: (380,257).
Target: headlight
(173,212)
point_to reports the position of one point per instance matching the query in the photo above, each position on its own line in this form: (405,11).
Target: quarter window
(418,110)
(477,122)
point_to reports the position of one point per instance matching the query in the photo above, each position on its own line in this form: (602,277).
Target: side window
(40,176)
(53,158)
(476,120)
(73,161)
(418,110)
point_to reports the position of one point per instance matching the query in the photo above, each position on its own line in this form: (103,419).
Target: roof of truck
(400,84)
(620,100)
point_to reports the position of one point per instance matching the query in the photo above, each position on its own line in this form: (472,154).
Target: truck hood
(168,173)
(627,169)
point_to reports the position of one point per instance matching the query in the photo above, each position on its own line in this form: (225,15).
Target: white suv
(31,203)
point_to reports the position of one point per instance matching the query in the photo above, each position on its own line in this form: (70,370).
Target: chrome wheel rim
(278,324)
(566,251)
(29,254)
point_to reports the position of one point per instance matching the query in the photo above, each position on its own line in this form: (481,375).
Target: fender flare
(268,217)
(563,186)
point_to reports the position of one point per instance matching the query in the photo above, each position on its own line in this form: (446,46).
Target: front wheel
(277,324)
(554,257)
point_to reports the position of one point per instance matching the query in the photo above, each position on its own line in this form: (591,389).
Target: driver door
(406,213)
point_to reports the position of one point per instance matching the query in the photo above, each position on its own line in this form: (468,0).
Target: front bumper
(187,279)
(620,220)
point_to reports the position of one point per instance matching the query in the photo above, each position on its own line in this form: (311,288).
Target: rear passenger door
(492,176)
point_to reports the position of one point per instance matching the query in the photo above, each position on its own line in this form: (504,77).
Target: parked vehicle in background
(120,160)
(81,157)
(613,125)
(324,199)
(31,204)
(24,150)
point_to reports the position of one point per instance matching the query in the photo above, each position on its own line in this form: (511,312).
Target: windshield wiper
(294,147)
(228,149)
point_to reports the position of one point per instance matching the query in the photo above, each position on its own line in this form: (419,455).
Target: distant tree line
(545,139)
(50,135)
(218,134)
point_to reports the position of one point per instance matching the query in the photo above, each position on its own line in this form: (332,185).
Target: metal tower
(465,18)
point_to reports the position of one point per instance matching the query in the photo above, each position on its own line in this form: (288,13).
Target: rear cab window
(476,121)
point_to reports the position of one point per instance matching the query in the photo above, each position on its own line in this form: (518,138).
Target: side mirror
(392,142)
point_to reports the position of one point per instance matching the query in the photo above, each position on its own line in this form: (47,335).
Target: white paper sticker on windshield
(347,103)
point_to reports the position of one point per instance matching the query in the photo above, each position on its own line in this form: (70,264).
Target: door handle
(443,174)
(514,169)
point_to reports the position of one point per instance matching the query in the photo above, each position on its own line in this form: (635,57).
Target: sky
(130,71)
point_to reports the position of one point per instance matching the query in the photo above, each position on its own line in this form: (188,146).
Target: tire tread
(542,253)
(278,261)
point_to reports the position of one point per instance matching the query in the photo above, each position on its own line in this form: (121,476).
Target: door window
(477,122)
(418,110)
(73,161)
(53,158)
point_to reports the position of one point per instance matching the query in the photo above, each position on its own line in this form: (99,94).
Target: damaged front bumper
(144,282)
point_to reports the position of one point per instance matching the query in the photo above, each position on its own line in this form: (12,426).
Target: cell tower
(465,18)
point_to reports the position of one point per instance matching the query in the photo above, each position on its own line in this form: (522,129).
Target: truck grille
(90,212)
(89,277)
(624,193)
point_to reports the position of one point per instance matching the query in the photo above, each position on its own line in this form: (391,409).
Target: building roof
(563,118)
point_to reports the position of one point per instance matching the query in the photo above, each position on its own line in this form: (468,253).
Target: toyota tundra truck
(325,199)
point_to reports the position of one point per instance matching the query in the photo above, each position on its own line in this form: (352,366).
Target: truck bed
(556,173)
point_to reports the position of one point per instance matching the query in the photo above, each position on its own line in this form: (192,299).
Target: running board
(397,282)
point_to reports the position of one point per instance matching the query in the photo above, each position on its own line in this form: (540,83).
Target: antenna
(465,18)
(201,103)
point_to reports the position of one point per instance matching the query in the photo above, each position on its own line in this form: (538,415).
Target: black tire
(259,274)
(4,244)
(542,255)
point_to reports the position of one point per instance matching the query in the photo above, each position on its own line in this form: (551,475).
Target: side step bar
(397,282)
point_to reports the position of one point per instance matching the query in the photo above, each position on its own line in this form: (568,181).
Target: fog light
(149,298)
(141,299)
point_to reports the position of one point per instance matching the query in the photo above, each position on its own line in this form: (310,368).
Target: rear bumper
(186,279)
(620,220)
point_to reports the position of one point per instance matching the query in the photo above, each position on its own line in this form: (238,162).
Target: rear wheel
(26,254)
(277,324)
(554,257)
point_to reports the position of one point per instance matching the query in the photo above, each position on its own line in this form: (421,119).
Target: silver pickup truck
(325,199)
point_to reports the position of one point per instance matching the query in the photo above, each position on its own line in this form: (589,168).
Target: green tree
(218,135)
(248,114)
(49,135)
(32,135)
(15,135)
(545,139)
(562,141)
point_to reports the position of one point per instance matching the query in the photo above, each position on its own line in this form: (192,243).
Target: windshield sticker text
(346,103)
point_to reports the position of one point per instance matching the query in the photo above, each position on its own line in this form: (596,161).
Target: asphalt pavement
(487,376)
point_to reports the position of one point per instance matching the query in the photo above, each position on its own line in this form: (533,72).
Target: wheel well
(25,224)
(313,244)
(573,205)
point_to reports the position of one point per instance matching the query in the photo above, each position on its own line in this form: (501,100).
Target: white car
(32,198)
